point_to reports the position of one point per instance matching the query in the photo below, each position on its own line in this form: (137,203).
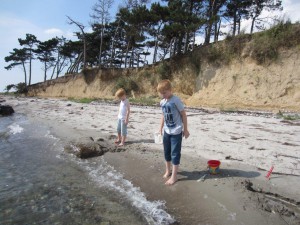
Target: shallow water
(40,184)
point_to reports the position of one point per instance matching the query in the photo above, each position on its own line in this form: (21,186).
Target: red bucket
(214,166)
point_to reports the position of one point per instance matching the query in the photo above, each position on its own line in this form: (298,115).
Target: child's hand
(160,131)
(126,122)
(186,134)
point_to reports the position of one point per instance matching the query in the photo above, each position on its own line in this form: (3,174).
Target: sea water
(40,184)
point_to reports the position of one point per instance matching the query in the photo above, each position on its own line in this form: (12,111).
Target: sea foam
(15,128)
(106,176)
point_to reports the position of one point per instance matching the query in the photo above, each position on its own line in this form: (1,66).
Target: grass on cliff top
(264,46)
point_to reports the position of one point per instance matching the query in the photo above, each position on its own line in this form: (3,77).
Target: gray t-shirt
(172,118)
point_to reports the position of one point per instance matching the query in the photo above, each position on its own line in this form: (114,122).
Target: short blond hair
(120,92)
(164,85)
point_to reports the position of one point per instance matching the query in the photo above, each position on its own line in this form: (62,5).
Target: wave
(106,176)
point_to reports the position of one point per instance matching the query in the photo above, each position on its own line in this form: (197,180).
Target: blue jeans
(172,147)
(122,127)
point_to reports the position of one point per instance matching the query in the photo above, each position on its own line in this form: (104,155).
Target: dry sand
(246,144)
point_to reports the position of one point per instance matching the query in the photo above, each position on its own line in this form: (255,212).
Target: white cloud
(291,9)
(54,31)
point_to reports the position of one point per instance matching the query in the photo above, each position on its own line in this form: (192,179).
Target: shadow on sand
(139,141)
(224,173)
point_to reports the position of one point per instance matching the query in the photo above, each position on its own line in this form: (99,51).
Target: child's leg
(176,155)
(123,133)
(167,154)
(119,132)
(118,139)
(173,177)
(123,139)
(168,170)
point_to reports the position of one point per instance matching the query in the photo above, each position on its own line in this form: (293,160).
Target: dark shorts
(172,147)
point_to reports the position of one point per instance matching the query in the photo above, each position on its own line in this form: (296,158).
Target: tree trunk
(207,33)
(45,71)
(84,53)
(61,67)
(239,26)
(155,50)
(81,27)
(138,60)
(131,64)
(100,50)
(217,29)
(194,40)
(234,24)
(53,71)
(171,48)
(126,54)
(186,44)
(23,64)
(179,44)
(30,67)
(252,25)
(112,46)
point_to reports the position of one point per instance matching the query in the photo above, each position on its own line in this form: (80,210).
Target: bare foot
(171,181)
(121,144)
(117,141)
(166,175)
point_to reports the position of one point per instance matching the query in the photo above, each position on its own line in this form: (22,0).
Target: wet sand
(247,145)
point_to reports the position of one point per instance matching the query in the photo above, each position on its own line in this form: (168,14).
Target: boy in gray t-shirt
(174,124)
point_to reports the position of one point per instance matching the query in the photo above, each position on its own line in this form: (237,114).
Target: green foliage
(288,116)
(9,87)
(214,53)
(266,44)
(127,84)
(145,100)
(146,73)
(227,110)
(235,45)
(264,49)
(164,71)
(153,81)
(195,60)
(21,88)
(17,57)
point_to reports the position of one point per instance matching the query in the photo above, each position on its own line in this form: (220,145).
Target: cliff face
(238,84)
(244,84)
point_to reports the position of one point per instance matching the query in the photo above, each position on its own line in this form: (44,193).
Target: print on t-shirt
(168,114)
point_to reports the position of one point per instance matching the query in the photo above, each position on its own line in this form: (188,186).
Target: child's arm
(127,114)
(186,133)
(161,124)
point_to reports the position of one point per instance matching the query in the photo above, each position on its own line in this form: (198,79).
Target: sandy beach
(247,144)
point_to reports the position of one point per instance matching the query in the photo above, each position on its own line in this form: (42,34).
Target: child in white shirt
(123,117)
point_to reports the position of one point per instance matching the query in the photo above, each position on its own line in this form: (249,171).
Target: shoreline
(220,199)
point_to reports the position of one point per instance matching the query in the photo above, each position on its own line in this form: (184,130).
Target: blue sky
(47,18)
(44,19)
